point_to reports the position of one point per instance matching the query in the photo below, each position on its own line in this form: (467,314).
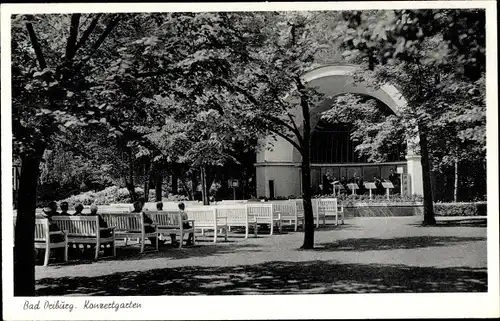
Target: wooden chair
(288,213)
(42,239)
(237,216)
(131,225)
(86,230)
(208,218)
(265,214)
(170,222)
(299,207)
(329,207)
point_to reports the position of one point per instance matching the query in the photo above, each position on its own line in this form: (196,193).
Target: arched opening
(332,150)
(331,142)
(334,154)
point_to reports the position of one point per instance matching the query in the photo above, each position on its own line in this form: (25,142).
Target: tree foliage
(436,59)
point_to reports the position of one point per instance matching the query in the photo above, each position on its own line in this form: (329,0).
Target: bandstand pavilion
(278,169)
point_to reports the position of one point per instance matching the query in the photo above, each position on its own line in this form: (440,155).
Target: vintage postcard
(263,160)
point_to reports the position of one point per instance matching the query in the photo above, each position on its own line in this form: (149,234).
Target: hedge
(460,209)
(114,194)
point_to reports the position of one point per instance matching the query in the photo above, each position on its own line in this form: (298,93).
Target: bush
(109,195)
(350,200)
(460,209)
(175,198)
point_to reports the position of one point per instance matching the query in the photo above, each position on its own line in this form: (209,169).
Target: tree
(424,53)
(51,55)
(269,86)
(196,72)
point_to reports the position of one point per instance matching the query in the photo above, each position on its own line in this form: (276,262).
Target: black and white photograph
(160,153)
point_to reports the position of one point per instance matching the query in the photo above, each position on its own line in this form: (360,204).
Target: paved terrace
(386,254)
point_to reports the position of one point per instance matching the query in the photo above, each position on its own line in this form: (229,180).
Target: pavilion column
(414,165)
(415,171)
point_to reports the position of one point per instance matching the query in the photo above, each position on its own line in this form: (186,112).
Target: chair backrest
(202,215)
(41,230)
(327,206)
(286,209)
(114,208)
(262,212)
(78,225)
(233,201)
(171,219)
(299,207)
(235,214)
(124,222)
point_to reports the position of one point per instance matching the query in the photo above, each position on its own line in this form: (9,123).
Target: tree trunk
(176,178)
(24,250)
(455,185)
(147,174)
(306,172)
(202,179)
(129,183)
(194,184)
(186,189)
(426,175)
(158,179)
(204,187)
(175,187)
(308,211)
(210,180)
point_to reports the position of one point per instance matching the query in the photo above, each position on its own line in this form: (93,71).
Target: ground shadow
(455,223)
(395,243)
(343,227)
(132,253)
(311,277)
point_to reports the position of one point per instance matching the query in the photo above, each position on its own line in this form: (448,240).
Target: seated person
(142,200)
(48,212)
(343,182)
(361,185)
(394,179)
(138,206)
(53,209)
(102,222)
(325,185)
(378,184)
(185,225)
(78,209)
(64,209)
(159,207)
(93,212)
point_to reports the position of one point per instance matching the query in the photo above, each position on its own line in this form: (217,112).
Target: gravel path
(388,254)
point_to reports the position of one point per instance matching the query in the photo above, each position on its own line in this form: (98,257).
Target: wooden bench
(329,207)
(319,215)
(237,216)
(130,225)
(170,222)
(42,239)
(208,218)
(288,213)
(85,230)
(264,214)
(316,213)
